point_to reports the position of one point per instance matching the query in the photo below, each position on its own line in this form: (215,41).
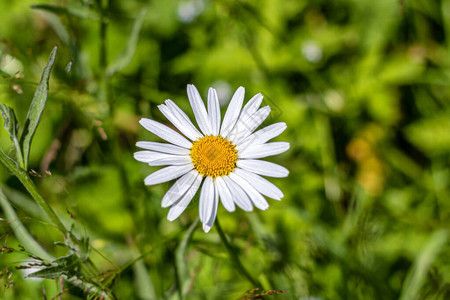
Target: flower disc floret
(213,156)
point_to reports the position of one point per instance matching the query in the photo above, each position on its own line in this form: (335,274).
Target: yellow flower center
(213,156)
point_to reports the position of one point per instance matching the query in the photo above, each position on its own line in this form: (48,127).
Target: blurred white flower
(334,100)
(223,89)
(311,51)
(223,157)
(189,10)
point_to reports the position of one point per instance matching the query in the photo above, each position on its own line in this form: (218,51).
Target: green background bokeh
(362,85)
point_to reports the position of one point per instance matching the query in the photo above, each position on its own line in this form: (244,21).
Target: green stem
(21,232)
(103,29)
(19,153)
(235,257)
(31,188)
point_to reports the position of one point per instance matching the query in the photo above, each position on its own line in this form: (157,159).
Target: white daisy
(224,157)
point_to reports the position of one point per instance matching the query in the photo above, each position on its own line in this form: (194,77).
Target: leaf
(36,109)
(185,280)
(62,266)
(12,126)
(126,56)
(10,65)
(431,135)
(417,274)
(70,10)
(10,121)
(23,203)
(20,232)
(143,282)
(82,245)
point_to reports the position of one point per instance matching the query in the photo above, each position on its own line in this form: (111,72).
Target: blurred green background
(362,85)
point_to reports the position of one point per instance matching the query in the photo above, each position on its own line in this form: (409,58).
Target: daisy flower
(222,157)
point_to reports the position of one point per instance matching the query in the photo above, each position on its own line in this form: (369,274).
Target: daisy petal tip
(206,228)
(150,180)
(264,207)
(285,172)
(142,121)
(170,218)
(165,203)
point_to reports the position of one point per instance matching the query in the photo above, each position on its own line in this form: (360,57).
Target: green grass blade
(184,278)
(21,232)
(126,56)
(417,274)
(70,10)
(24,203)
(36,108)
(143,282)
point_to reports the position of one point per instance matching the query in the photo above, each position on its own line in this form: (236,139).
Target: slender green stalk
(235,257)
(103,60)
(19,153)
(21,232)
(29,185)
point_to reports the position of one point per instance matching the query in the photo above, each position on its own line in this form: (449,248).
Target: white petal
(247,126)
(206,199)
(211,215)
(179,122)
(179,188)
(233,111)
(225,194)
(180,114)
(264,150)
(263,135)
(257,199)
(252,105)
(214,111)
(262,185)
(149,156)
(174,160)
(250,108)
(262,167)
(198,107)
(163,147)
(167,174)
(165,133)
(181,204)
(239,196)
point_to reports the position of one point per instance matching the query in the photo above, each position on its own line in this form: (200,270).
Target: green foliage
(362,85)
(10,121)
(36,108)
